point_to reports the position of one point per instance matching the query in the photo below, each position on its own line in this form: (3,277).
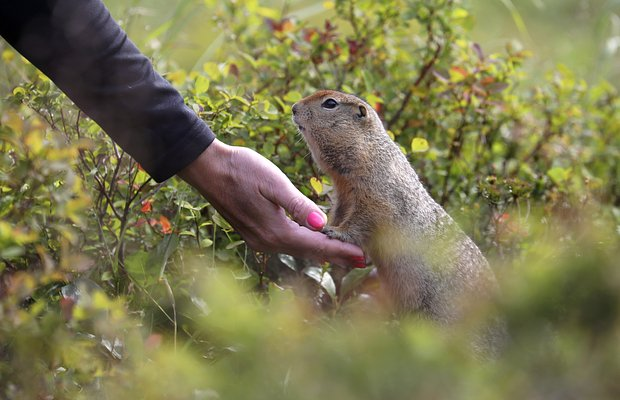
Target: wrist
(212,162)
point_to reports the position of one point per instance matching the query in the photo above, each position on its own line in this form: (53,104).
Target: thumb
(299,207)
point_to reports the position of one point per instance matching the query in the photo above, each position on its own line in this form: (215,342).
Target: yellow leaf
(268,12)
(329,5)
(42,77)
(34,141)
(419,145)
(8,55)
(21,236)
(212,69)
(12,119)
(6,232)
(101,301)
(19,90)
(459,13)
(202,84)
(462,43)
(177,77)
(317,186)
(79,313)
(37,123)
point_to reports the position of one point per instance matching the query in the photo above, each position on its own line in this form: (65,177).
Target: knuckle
(296,208)
(268,241)
(321,252)
(254,244)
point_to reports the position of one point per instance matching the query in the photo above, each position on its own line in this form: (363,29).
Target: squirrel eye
(329,104)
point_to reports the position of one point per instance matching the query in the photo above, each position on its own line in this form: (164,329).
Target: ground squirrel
(427,263)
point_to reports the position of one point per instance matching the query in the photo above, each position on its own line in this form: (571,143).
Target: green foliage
(113,286)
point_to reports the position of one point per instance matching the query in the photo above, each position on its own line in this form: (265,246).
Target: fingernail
(315,220)
(358,262)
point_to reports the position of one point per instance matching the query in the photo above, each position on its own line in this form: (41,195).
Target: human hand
(254,197)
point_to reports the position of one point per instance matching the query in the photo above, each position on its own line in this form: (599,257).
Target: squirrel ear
(363,112)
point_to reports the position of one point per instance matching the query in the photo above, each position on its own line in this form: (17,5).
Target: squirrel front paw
(333,233)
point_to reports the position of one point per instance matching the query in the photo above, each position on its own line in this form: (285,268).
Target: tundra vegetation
(115,286)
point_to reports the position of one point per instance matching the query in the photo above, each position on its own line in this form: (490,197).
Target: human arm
(82,49)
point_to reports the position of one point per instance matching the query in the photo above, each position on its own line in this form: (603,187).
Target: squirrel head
(339,129)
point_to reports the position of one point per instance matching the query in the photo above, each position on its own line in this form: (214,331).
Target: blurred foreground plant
(112,285)
(562,308)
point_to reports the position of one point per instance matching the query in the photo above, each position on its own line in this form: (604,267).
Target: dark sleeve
(80,47)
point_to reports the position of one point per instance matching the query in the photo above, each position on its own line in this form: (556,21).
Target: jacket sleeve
(80,47)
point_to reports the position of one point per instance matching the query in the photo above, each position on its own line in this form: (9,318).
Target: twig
(454,151)
(545,137)
(423,73)
(174,308)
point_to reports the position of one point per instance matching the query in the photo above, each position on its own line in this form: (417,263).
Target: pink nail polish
(315,220)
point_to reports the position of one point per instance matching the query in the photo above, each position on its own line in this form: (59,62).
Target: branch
(453,152)
(547,134)
(423,73)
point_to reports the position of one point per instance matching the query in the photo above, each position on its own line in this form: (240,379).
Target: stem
(453,153)
(423,73)
(174,309)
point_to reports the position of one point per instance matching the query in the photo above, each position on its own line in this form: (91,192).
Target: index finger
(317,246)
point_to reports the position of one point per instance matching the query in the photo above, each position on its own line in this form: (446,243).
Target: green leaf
(202,84)
(268,149)
(289,261)
(204,243)
(241,100)
(185,204)
(221,222)
(270,111)
(137,266)
(235,244)
(353,279)
(251,60)
(292,97)
(324,279)
(107,276)
(373,100)
(419,145)
(19,91)
(559,175)
(11,252)
(160,255)
(368,81)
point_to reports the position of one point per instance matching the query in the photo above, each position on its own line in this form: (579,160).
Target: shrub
(104,271)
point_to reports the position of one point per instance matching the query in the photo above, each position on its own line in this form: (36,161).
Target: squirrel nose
(295,108)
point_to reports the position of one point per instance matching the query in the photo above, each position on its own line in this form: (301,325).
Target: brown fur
(427,263)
